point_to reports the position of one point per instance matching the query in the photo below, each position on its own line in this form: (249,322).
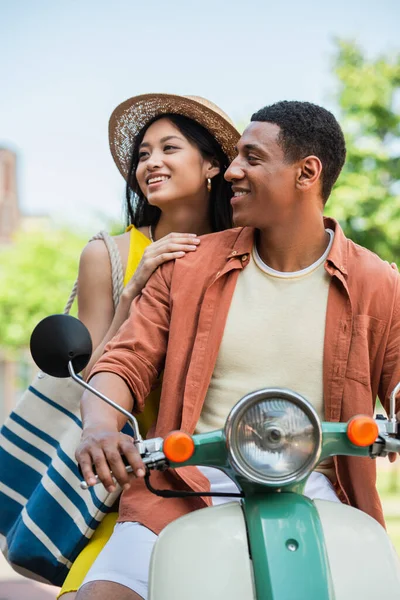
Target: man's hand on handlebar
(104,449)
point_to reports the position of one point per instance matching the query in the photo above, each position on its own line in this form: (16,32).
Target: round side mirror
(56,341)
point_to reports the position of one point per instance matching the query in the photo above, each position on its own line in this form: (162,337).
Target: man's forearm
(95,412)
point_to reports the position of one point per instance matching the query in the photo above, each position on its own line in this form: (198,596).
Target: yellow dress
(137,245)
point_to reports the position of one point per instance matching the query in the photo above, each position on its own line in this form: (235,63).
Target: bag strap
(117,273)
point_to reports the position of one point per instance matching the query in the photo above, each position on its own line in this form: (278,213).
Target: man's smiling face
(263,182)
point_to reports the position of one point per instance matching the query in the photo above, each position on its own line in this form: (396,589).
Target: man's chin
(241,220)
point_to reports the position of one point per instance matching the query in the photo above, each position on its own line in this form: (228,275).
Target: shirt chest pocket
(366,338)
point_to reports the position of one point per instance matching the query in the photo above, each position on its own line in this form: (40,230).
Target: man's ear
(308,173)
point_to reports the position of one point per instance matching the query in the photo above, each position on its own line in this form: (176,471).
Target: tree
(37,273)
(366,199)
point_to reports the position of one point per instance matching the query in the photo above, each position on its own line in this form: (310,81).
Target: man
(286,301)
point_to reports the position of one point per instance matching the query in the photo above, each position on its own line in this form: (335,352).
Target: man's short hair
(308,129)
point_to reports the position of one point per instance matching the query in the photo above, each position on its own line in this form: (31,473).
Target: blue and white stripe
(45,517)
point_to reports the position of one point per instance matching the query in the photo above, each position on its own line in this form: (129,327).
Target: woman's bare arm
(95,298)
(95,304)
(96,312)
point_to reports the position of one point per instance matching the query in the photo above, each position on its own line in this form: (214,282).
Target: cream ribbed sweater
(274,337)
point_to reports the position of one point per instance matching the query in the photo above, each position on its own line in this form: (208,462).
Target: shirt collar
(338,254)
(243,243)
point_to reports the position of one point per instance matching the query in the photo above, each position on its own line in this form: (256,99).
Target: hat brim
(129,118)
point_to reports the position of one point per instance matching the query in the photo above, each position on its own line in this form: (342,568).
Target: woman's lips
(156,184)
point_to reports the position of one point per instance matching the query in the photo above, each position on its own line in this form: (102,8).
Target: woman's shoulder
(123,241)
(95,254)
(94,251)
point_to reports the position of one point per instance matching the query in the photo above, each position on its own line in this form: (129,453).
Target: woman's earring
(208,184)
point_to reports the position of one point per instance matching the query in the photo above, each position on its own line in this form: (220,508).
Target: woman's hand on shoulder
(170,247)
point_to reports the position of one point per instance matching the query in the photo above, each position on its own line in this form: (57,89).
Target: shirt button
(234,252)
(245,257)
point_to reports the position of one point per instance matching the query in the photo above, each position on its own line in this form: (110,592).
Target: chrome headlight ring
(268,427)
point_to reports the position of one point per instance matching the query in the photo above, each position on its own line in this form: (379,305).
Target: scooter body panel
(362,560)
(206,555)
(203,556)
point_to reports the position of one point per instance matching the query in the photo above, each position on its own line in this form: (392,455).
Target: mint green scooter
(275,544)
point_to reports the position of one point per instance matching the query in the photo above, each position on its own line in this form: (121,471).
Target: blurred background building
(10,218)
(10,215)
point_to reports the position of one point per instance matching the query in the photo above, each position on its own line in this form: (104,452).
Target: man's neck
(294,246)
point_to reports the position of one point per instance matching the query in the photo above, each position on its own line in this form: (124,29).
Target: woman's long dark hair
(137,209)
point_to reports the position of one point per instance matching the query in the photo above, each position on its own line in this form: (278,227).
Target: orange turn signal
(362,430)
(178,446)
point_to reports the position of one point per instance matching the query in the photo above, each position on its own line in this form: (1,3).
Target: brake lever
(385,444)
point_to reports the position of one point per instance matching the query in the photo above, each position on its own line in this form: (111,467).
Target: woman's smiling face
(170,168)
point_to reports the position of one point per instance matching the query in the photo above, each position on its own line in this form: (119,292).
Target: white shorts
(125,559)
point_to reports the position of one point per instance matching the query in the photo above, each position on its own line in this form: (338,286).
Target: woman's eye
(169,147)
(143,155)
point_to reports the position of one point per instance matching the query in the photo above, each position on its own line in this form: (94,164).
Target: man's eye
(251,158)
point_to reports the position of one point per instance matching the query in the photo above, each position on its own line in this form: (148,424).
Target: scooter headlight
(274,437)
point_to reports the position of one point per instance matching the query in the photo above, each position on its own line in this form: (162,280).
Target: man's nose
(234,171)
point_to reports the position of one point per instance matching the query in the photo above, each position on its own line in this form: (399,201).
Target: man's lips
(238,194)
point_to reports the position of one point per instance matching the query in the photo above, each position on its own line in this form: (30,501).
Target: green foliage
(366,199)
(37,273)
(388,482)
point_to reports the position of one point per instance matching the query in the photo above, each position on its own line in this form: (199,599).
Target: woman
(172,152)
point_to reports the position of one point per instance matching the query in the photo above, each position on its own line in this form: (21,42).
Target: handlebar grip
(392,444)
(124,460)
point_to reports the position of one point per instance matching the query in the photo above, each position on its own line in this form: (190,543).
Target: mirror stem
(132,420)
(392,416)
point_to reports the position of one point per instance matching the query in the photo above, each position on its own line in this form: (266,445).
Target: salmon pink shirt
(177,324)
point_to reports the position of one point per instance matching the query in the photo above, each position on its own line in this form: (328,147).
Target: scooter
(276,544)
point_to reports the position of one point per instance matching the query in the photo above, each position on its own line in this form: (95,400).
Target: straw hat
(131,116)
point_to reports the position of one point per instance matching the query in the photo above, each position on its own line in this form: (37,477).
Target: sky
(65,65)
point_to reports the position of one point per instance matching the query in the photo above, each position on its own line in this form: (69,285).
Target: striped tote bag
(46,519)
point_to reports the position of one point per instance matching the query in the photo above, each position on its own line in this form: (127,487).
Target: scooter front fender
(206,554)
(203,556)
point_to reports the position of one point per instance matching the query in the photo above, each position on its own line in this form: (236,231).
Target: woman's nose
(154,161)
